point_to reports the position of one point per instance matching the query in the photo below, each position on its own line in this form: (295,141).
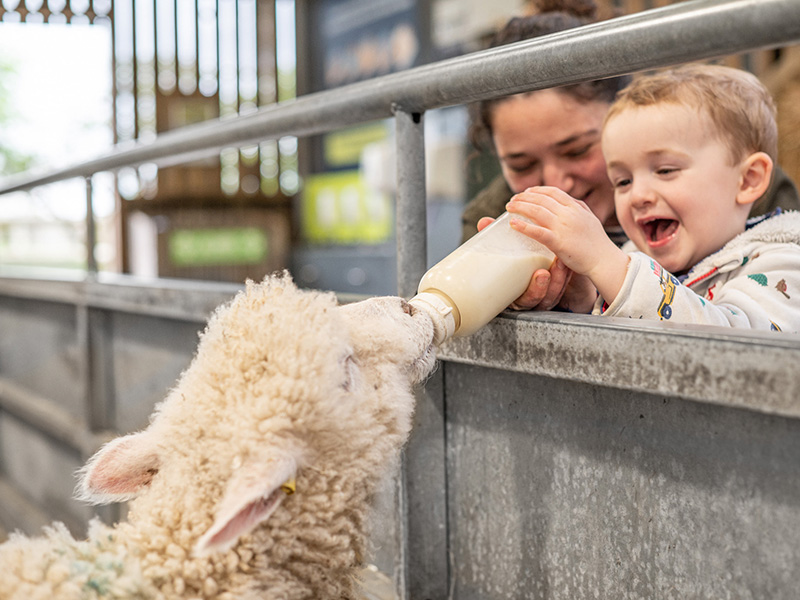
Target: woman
(552,137)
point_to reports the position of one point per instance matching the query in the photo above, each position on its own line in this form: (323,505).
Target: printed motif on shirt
(668,285)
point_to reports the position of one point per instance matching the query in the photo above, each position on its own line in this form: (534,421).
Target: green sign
(340,208)
(218,246)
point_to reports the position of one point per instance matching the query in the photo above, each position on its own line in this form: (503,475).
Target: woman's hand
(545,289)
(579,295)
(558,287)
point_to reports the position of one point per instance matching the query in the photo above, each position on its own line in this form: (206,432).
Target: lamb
(255,475)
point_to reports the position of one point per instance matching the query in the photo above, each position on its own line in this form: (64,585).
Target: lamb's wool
(285,384)
(57,566)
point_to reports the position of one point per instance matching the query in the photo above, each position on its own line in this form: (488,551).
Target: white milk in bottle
(480,278)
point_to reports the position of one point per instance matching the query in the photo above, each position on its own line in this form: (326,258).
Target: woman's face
(550,138)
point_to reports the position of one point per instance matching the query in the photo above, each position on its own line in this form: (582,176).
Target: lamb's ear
(253,493)
(120,469)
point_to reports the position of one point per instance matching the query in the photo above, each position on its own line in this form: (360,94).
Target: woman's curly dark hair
(552,16)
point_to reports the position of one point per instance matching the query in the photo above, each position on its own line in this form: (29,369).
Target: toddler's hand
(565,225)
(546,287)
(572,232)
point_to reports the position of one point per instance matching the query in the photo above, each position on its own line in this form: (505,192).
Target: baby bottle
(479,279)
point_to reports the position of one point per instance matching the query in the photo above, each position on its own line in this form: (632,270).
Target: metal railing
(694,30)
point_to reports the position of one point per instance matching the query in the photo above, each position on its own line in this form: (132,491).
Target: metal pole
(91,261)
(411,228)
(411,233)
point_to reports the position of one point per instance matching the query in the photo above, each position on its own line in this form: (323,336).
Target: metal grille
(180,62)
(55,11)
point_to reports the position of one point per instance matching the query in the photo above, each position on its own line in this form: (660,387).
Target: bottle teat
(444,315)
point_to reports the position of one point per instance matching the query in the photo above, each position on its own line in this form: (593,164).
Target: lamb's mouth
(425,364)
(658,231)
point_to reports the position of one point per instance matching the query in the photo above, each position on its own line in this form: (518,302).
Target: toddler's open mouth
(658,231)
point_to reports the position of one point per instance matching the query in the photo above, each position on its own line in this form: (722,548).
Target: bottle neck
(442,311)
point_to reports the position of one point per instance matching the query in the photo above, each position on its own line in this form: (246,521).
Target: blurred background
(78,76)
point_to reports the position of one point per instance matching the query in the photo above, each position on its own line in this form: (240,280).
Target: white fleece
(286,390)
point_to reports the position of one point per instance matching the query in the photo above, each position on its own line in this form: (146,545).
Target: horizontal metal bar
(694,30)
(730,367)
(182,300)
(49,418)
(178,299)
(735,368)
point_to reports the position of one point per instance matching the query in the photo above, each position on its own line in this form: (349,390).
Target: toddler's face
(675,188)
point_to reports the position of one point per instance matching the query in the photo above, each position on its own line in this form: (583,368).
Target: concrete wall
(553,455)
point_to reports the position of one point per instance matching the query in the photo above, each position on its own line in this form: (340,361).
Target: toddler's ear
(756,175)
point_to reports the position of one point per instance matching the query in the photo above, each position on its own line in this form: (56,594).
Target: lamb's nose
(407,308)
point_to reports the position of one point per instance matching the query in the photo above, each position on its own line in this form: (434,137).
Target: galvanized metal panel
(560,489)
(147,357)
(43,470)
(39,349)
(386,541)
(426,496)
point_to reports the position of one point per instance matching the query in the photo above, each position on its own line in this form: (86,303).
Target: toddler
(688,150)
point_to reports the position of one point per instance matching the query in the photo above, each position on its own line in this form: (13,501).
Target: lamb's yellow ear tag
(289,487)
